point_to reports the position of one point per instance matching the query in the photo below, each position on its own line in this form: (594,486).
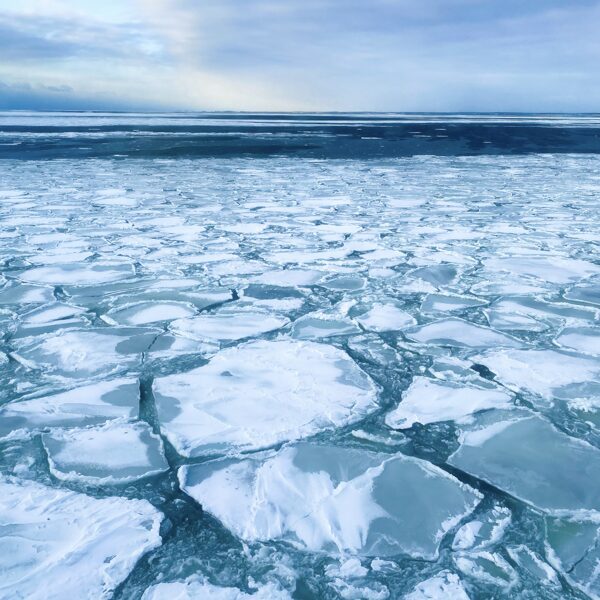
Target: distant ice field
(272,367)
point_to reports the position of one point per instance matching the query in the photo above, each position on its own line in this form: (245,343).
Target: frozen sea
(317,356)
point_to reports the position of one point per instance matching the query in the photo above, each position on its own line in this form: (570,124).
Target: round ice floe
(78,274)
(227,326)
(326,498)
(320,326)
(262,393)
(385,317)
(108,454)
(57,544)
(151,312)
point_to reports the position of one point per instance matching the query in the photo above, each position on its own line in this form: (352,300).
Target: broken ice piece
(227,326)
(582,339)
(198,589)
(144,313)
(534,565)
(320,326)
(332,499)
(443,586)
(385,317)
(86,405)
(57,544)
(448,303)
(460,333)
(572,549)
(262,393)
(113,453)
(430,401)
(530,459)
(487,567)
(548,373)
(484,531)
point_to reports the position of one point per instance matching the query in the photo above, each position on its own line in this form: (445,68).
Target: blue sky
(380,55)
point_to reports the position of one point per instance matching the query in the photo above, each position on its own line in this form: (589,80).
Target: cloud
(312,54)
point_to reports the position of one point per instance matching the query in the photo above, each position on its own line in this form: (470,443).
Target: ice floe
(572,547)
(55,543)
(460,333)
(430,401)
(549,374)
(85,405)
(227,326)
(332,499)
(487,529)
(197,589)
(113,453)
(443,586)
(262,393)
(74,274)
(385,317)
(582,339)
(530,459)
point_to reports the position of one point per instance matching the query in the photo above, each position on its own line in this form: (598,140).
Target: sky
(305,55)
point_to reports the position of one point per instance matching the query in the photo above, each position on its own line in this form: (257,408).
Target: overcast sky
(380,55)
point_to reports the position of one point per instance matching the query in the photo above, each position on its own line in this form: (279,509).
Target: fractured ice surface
(333,499)
(141,269)
(262,393)
(57,544)
(430,401)
(530,459)
(85,405)
(110,453)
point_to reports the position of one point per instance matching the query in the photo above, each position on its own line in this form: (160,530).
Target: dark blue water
(358,136)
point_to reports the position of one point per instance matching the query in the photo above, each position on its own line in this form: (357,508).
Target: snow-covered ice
(262,393)
(332,499)
(430,401)
(85,405)
(113,453)
(461,333)
(55,543)
(443,586)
